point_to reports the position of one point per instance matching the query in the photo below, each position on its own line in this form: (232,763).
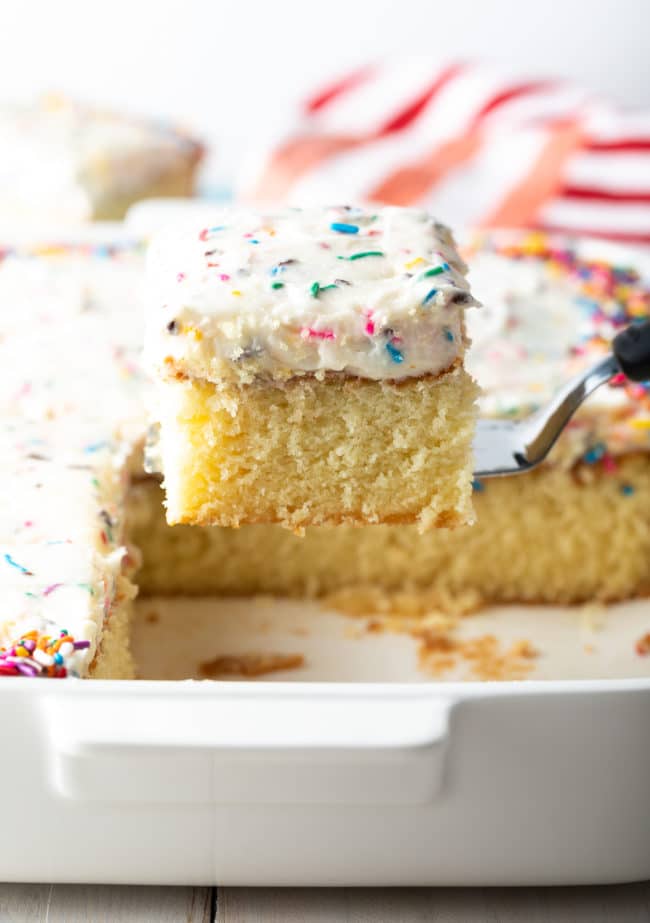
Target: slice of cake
(61,161)
(71,412)
(309,370)
(64,568)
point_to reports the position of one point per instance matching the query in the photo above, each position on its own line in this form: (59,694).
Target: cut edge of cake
(302,453)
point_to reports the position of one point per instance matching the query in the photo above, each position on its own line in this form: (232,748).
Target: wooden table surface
(106,904)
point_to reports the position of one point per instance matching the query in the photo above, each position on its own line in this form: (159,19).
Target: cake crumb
(300,632)
(484,656)
(432,619)
(593,617)
(249,665)
(375,627)
(354,632)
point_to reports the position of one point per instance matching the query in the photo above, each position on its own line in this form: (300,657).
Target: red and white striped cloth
(478,149)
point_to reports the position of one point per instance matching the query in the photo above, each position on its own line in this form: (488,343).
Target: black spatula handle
(632,350)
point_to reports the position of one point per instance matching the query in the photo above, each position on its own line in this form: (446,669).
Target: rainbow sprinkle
(343,228)
(362,255)
(36,654)
(51,588)
(310,333)
(595,453)
(23,570)
(205,233)
(436,271)
(394,353)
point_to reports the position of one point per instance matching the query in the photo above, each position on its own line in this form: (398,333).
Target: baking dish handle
(241,748)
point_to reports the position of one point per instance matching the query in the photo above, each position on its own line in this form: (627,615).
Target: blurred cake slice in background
(309,369)
(63,161)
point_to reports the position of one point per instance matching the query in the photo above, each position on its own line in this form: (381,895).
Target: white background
(231,69)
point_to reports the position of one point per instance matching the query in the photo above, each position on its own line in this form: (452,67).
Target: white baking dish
(327,783)
(317,781)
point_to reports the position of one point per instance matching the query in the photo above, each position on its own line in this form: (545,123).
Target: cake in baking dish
(62,161)
(309,369)
(78,506)
(577,529)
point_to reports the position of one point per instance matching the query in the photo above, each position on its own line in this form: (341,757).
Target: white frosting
(70,411)
(537,328)
(60,159)
(378,294)
(522,338)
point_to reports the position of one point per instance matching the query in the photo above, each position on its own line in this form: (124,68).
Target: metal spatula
(506,447)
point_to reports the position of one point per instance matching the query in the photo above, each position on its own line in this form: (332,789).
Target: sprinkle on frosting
(394,353)
(344,228)
(595,453)
(317,334)
(19,567)
(435,271)
(362,255)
